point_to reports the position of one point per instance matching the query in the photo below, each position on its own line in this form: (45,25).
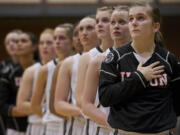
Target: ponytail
(159,38)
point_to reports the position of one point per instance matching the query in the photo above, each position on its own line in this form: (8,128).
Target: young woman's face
(46,48)
(63,43)
(10,43)
(87,33)
(102,24)
(140,23)
(76,41)
(24,45)
(119,25)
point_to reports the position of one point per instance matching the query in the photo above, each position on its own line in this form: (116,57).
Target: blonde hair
(105,8)
(121,8)
(17,31)
(47,30)
(68,27)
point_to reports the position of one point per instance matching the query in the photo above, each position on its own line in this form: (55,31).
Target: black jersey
(9,85)
(136,104)
(5,67)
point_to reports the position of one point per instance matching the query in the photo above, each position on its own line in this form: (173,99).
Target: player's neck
(86,48)
(15,59)
(106,43)
(26,61)
(144,49)
(62,56)
(47,59)
(118,43)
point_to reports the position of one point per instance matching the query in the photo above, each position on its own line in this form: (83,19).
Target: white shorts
(75,126)
(55,128)
(89,127)
(79,123)
(35,129)
(104,131)
(69,126)
(14,132)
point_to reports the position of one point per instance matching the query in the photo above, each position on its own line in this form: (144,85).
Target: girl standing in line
(63,48)
(140,80)
(120,34)
(47,53)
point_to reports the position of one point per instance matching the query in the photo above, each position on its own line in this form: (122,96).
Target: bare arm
(39,90)
(52,91)
(82,68)
(90,90)
(25,90)
(62,106)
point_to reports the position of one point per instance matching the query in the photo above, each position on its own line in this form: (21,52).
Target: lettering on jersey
(124,75)
(162,81)
(17,81)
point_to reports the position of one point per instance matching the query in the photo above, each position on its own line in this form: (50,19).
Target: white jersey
(74,126)
(105,110)
(34,118)
(90,125)
(48,116)
(74,77)
(93,52)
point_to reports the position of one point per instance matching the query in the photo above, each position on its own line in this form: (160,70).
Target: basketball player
(66,88)
(140,80)
(120,35)
(16,121)
(7,65)
(63,48)
(46,50)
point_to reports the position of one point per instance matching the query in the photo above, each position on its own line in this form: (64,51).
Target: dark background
(34,17)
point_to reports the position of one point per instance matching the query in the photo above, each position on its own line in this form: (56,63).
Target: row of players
(59,94)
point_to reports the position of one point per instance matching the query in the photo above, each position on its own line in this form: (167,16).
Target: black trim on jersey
(64,127)
(55,61)
(98,105)
(45,128)
(111,49)
(30,128)
(87,126)
(97,130)
(99,49)
(71,126)
(41,62)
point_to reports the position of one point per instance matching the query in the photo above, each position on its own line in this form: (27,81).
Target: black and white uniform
(75,124)
(35,126)
(54,124)
(4,67)
(9,84)
(137,105)
(89,128)
(100,129)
